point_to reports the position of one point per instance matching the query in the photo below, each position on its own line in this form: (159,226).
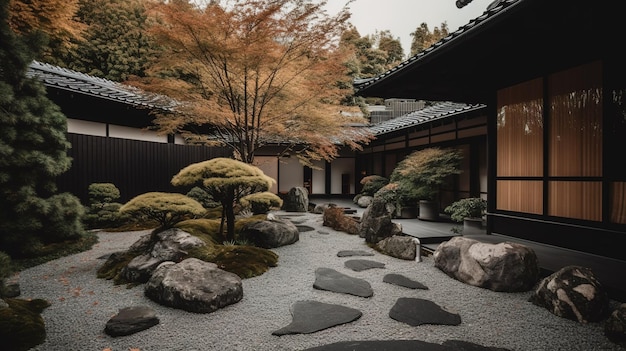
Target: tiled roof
(429,114)
(65,79)
(495,8)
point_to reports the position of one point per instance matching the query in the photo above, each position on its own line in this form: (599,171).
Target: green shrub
(103,193)
(103,212)
(202,197)
(260,203)
(472,207)
(62,219)
(372,183)
(165,208)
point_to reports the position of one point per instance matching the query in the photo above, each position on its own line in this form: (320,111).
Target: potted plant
(470,211)
(423,172)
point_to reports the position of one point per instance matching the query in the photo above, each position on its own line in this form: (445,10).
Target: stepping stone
(304,228)
(362,265)
(468,346)
(403,345)
(130,320)
(414,312)
(377,345)
(347,253)
(331,280)
(312,316)
(398,279)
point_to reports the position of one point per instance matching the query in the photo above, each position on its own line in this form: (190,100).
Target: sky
(402,17)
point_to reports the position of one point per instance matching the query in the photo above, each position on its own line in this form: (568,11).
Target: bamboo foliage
(252,72)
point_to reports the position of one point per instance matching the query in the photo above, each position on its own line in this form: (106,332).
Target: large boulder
(399,246)
(170,245)
(507,266)
(335,217)
(376,223)
(296,200)
(194,286)
(364,201)
(271,233)
(573,292)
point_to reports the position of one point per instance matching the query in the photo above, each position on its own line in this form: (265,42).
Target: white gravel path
(82,304)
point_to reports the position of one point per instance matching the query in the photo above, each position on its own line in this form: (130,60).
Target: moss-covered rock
(245,261)
(21,324)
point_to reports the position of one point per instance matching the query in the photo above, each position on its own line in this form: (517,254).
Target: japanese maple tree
(253,72)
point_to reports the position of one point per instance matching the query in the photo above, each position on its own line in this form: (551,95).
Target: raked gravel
(82,304)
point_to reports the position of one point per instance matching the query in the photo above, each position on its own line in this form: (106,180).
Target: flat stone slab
(331,280)
(312,316)
(399,279)
(131,320)
(402,345)
(348,253)
(362,265)
(304,228)
(414,312)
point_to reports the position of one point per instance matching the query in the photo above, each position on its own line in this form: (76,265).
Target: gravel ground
(82,304)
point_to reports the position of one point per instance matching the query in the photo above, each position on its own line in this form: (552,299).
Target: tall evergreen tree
(33,151)
(116,44)
(423,38)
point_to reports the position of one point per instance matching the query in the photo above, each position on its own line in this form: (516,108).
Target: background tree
(33,151)
(115,43)
(227,181)
(423,38)
(52,18)
(252,72)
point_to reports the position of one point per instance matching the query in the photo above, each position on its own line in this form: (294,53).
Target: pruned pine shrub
(165,208)
(204,198)
(103,211)
(260,203)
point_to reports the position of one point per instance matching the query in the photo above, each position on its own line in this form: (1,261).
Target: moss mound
(21,324)
(245,261)
(205,229)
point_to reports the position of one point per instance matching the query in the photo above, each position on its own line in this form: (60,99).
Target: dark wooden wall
(135,167)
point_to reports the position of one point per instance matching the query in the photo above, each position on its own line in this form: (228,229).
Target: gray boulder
(376,223)
(399,246)
(270,234)
(194,286)
(320,208)
(509,267)
(615,326)
(296,200)
(573,292)
(171,245)
(131,320)
(364,201)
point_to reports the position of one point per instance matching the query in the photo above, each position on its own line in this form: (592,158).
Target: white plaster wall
(269,166)
(291,174)
(78,126)
(338,167)
(135,134)
(319,178)
(179,140)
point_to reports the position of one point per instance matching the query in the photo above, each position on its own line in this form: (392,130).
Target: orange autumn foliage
(253,72)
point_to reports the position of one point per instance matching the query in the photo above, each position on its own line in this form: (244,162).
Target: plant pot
(429,210)
(473,226)
(408,212)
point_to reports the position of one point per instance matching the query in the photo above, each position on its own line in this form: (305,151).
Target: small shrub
(472,207)
(262,202)
(372,183)
(102,193)
(165,208)
(103,211)
(5,267)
